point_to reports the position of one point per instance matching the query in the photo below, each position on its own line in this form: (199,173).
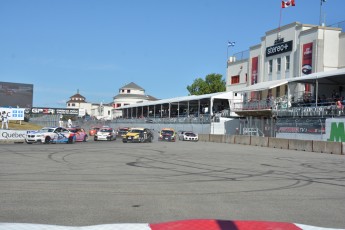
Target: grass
(22,125)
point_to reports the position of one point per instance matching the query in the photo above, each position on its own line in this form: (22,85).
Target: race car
(139,135)
(105,134)
(167,134)
(80,133)
(51,135)
(121,132)
(188,136)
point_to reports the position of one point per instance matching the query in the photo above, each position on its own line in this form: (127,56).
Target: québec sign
(279,48)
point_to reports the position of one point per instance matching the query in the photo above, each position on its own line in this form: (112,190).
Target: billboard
(16,95)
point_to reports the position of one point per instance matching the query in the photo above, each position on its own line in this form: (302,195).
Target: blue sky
(98,46)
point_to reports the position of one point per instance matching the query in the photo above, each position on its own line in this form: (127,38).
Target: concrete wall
(271,142)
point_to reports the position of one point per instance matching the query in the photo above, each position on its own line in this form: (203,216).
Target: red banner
(307,58)
(254,77)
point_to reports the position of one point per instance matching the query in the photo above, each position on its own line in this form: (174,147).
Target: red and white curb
(175,225)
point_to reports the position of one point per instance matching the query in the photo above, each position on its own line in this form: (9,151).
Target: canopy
(262,86)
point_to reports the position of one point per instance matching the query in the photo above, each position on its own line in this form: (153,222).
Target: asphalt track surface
(112,182)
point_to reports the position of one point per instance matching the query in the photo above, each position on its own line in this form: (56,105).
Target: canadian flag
(288,3)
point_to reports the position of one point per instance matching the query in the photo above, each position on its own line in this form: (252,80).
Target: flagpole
(320,19)
(280,21)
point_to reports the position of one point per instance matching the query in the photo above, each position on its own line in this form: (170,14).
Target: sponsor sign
(279,48)
(13,114)
(13,134)
(304,126)
(307,59)
(254,73)
(335,130)
(40,110)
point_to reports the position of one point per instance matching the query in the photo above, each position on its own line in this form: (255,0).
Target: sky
(98,46)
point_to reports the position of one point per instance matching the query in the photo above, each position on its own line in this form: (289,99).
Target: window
(235,79)
(279,62)
(287,63)
(270,65)
(118,105)
(73,104)
(128,91)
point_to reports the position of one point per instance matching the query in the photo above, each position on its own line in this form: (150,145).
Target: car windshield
(105,130)
(136,131)
(47,130)
(167,132)
(190,134)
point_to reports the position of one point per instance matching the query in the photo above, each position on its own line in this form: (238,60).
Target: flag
(288,3)
(231,44)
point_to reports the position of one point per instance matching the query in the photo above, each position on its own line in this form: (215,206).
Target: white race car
(105,134)
(51,135)
(188,136)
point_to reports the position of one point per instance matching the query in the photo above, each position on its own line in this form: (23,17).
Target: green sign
(337,132)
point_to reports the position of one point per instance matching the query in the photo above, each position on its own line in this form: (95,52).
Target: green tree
(213,83)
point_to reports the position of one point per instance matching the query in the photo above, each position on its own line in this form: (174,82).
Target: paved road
(112,182)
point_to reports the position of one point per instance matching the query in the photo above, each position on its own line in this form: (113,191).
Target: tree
(213,83)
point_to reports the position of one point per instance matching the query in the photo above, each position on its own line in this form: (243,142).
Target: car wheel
(85,138)
(47,140)
(71,140)
(151,139)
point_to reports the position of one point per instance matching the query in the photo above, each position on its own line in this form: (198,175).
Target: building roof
(138,96)
(132,85)
(219,95)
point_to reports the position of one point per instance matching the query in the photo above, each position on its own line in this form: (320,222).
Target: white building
(288,52)
(128,95)
(97,110)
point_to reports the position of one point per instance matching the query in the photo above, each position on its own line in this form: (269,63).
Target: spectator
(69,123)
(4,120)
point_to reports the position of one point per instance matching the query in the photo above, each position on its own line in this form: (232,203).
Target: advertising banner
(335,130)
(254,74)
(13,134)
(307,59)
(13,114)
(40,110)
(310,126)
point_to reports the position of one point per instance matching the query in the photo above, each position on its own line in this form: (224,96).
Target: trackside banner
(335,130)
(13,114)
(13,134)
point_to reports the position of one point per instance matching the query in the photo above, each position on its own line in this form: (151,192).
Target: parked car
(121,132)
(188,136)
(139,135)
(94,130)
(167,134)
(80,133)
(105,134)
(51,135)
